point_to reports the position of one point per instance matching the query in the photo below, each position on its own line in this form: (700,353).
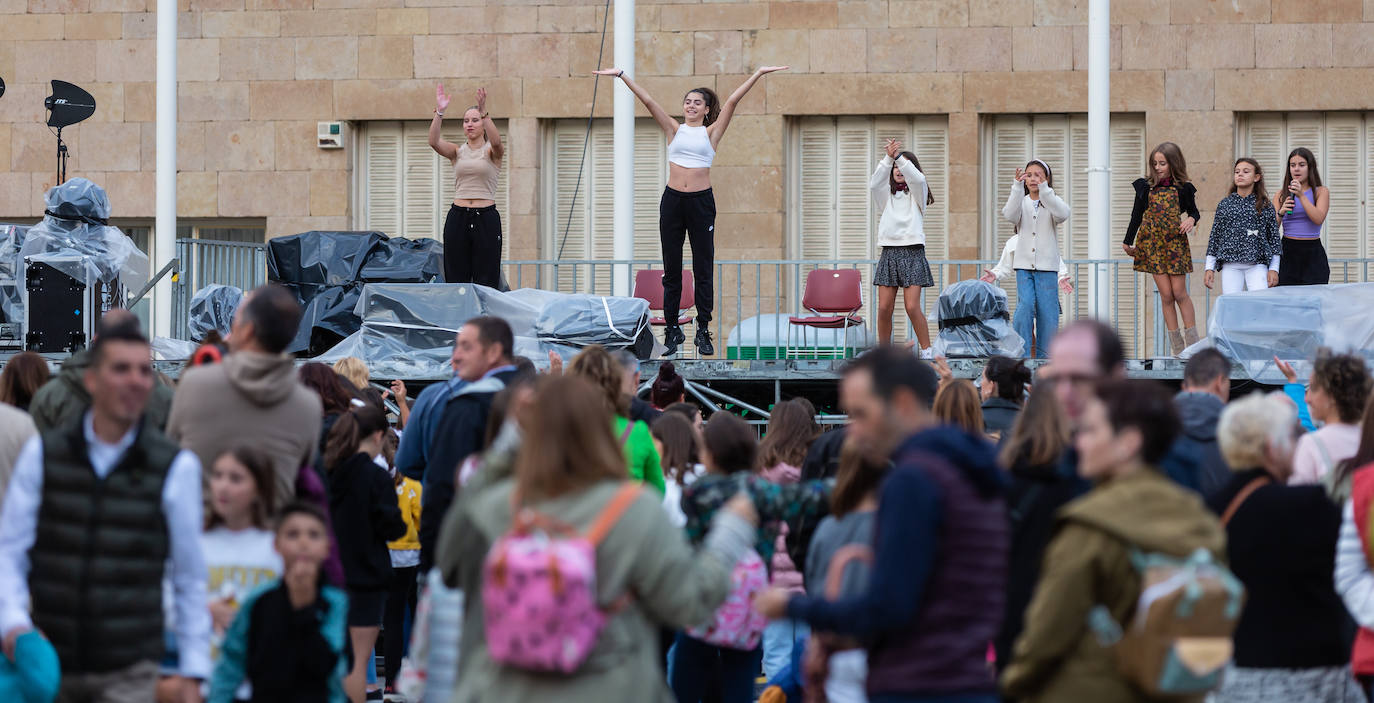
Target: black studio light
(67,105)
(2,87)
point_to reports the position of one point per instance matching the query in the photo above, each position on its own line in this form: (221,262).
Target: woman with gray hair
(1289,644)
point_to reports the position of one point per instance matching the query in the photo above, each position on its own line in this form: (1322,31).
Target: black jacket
(1187,203)
(643,411)
(1200,413)
(460,433)
(289,657)
(1034,498)
(999,414)
(1281,543)
(363,508)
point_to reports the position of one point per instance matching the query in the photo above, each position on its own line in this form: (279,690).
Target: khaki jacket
(1088,562)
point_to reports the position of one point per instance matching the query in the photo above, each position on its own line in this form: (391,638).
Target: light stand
(68,105)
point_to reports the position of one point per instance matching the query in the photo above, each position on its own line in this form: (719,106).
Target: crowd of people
(261,531)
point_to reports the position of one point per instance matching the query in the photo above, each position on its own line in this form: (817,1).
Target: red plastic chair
(649,287)
(830,291)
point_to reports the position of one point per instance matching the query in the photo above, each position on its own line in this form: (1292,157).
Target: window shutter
(383,178)
(1010,151)
(1342,173)
(1367,219)
(569,240)
(1075,244)
(602,202)
(1305,129)
(1264,143)
(651,168)
(815,236)
(931,139)
(421,187)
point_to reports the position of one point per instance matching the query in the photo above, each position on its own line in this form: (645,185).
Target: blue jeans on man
(1037,307)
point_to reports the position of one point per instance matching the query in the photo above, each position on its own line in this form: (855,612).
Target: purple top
(1297,225)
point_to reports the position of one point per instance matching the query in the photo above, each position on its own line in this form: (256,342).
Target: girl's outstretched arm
(661,116)
(727,110)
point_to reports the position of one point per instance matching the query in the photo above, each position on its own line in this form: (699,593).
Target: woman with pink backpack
(569,568)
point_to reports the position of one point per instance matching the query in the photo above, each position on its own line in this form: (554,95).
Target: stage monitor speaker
(58,312)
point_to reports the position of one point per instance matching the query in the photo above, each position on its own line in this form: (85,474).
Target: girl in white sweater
(1036,212)
(902,195)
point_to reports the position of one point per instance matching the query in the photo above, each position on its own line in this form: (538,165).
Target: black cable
(587,138)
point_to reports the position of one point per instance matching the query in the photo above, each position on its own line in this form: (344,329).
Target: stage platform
(752,386)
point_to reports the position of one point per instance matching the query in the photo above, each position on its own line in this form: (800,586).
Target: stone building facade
(256,76)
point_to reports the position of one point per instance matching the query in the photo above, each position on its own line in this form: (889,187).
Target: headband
(1043,165)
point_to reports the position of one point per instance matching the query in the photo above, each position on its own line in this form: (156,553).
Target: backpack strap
(625,436)
(1244,493)
(834,575)
(612,512)
(1327,463)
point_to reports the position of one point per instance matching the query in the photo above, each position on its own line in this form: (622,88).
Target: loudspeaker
(59,310)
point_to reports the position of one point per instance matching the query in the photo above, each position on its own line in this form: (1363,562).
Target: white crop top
(691,148)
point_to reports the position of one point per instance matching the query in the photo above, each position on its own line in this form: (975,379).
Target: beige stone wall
(257,74)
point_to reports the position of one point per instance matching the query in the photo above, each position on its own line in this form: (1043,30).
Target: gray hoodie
(251,398)
(1199,413)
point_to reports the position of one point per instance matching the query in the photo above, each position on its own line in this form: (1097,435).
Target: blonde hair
(1249,426)
(597,366)
(353,369)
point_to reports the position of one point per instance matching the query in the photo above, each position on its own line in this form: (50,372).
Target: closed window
(405,188)
(1343,143)
(1011,141)
(578,204)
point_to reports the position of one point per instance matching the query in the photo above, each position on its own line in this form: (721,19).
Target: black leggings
(472,246)
(403,597)
(690,216)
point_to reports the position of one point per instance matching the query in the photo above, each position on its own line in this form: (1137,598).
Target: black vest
(97,562)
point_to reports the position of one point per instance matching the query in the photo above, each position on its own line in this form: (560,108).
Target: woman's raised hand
(441,99)
(1020,175)
(893,148)
(608,72)
(771,69)
(482,100)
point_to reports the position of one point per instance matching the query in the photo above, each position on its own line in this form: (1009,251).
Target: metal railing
(753,298)
(205,262)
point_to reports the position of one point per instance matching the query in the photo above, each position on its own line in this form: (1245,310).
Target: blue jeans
(705,672)
(779,637)
(1037,302)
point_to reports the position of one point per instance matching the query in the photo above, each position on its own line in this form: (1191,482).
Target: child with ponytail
(366,515)
(1245,234)
(901,193)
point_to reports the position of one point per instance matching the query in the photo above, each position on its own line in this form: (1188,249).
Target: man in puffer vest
(93,513)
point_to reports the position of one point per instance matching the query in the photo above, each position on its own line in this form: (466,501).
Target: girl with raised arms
(687,210)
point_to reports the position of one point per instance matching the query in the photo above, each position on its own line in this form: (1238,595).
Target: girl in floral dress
(1165,213)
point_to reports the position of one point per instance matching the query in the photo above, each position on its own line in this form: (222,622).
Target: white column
(624,135)
(1099,155)
(165,227)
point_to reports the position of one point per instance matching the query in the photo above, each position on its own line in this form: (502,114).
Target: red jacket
(1362,499)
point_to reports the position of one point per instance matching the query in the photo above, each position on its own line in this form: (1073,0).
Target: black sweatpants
(689,216)
(402,599)
(472,246)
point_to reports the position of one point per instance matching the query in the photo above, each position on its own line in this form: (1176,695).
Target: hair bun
(667,371)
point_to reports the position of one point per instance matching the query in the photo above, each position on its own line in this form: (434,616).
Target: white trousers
(1238,277)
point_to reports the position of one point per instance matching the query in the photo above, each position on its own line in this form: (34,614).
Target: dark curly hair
(1346,379)
(1010,375)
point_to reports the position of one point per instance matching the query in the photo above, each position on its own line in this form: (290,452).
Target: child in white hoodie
(1035,212)
(902,195)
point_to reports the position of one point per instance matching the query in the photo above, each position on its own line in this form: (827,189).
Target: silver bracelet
(438,113)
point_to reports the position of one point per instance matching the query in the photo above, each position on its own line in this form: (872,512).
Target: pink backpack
(539,589)
(736,624)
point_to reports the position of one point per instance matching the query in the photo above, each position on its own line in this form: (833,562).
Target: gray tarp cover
(213,308)
(71,239)
(975,322)
(1291,322)
(408,329)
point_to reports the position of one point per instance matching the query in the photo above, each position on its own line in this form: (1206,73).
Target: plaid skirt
(903,267)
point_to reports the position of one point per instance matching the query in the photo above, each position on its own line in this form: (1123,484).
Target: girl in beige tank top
(472,229)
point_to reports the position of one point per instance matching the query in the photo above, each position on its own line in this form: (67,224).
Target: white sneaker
(928,353)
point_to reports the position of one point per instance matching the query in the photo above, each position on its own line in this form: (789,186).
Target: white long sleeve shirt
(902,222)
(1037,223)
(1353,579)
(1005,268)
(181,505)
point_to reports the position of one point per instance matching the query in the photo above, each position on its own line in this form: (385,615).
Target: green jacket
(644,463)
(643,555)
(1088,562)
(63,398)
